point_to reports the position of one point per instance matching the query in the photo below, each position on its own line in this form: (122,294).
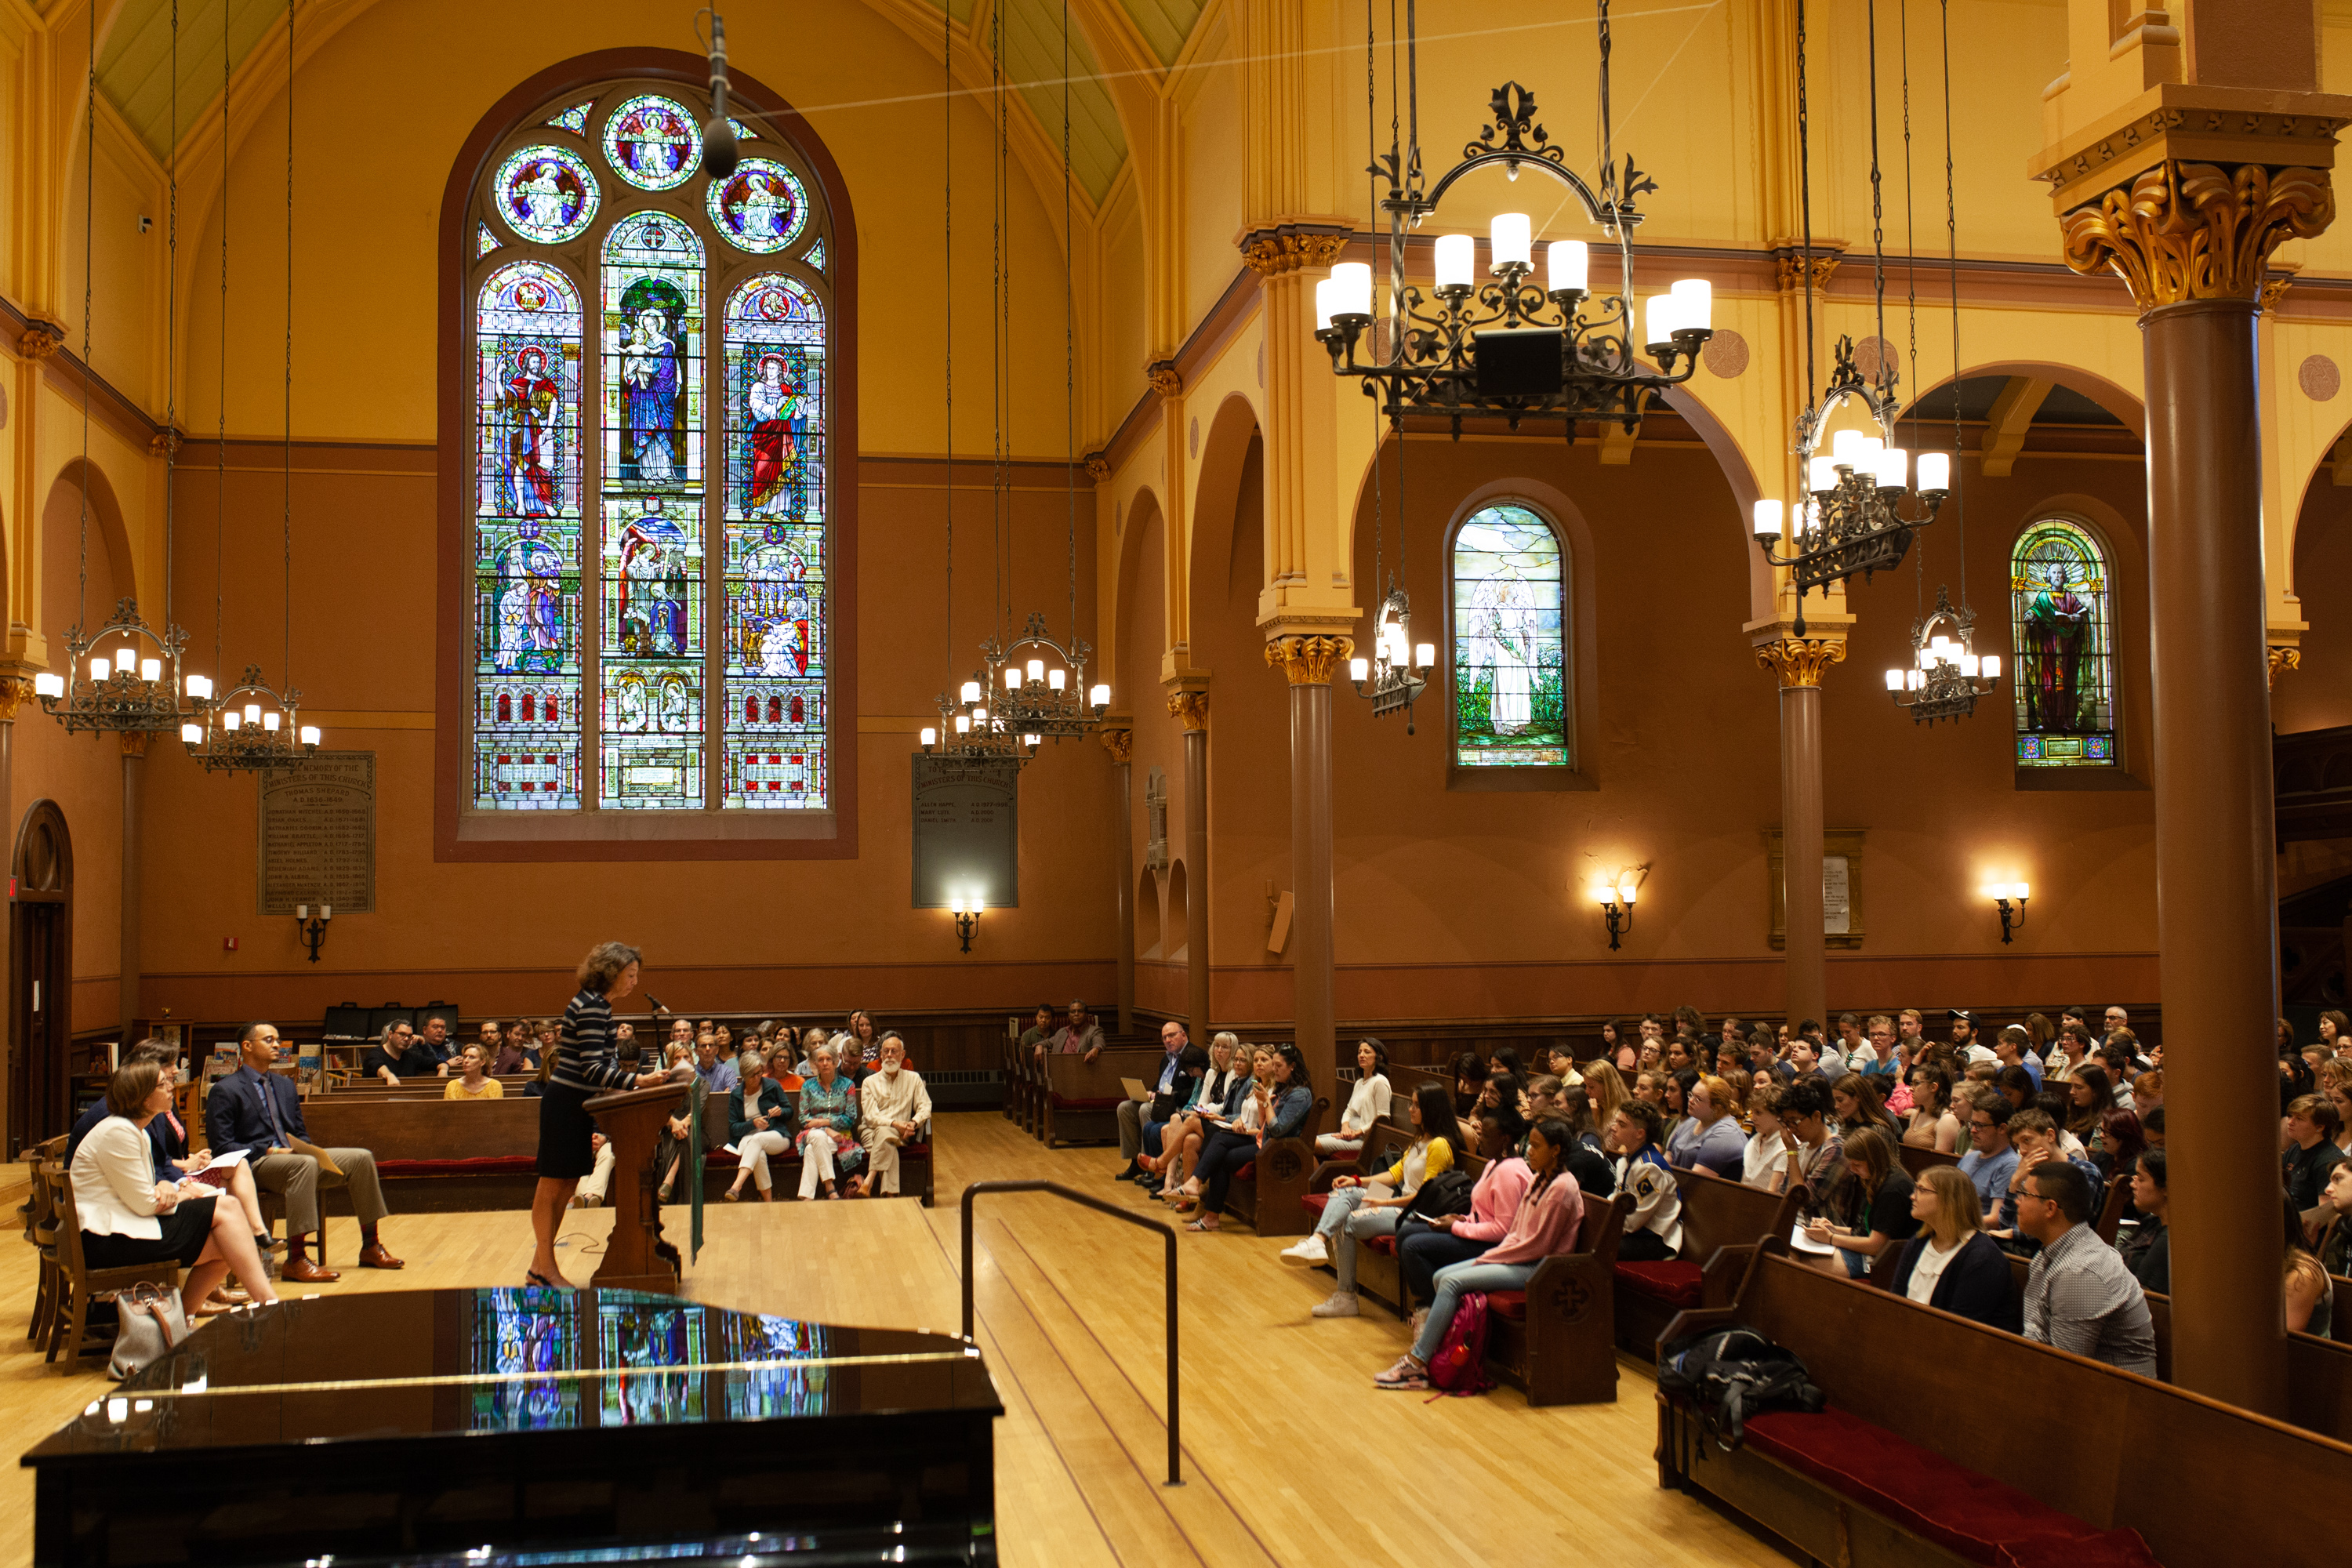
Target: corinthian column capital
(2184,231)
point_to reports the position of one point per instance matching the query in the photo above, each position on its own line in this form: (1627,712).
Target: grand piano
(488,1426)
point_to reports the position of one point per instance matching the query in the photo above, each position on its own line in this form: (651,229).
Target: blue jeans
(1422,1252)
(1456,1280)
(1346,1224)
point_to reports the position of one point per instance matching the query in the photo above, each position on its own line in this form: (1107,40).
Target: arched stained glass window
(2061,621)
(1510,625)
(650,625)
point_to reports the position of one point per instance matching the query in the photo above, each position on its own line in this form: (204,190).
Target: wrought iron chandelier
(255,727)
(1504,347)
(1946,677)
(1853,519)
(1398,671)
(124,678)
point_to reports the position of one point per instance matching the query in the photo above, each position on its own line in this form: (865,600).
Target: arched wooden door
(40,978)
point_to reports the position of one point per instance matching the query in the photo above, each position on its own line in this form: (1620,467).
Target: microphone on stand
(718,150)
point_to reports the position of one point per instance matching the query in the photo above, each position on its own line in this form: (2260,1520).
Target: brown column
(2216,850)
(2191,238)
(1193,709)
(134,765)
(13,689)
(1309,661)
(1798,664)
(1120,744)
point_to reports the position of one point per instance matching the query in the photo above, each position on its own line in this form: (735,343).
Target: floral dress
(834,1110)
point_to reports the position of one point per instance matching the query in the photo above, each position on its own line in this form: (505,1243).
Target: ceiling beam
(2011,419)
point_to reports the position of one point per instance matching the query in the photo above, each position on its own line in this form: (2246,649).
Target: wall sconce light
(2004,896)
(313,931)
(968,907)
(1616,901)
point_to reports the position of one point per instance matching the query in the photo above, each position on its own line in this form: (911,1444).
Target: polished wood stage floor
(1291,1456)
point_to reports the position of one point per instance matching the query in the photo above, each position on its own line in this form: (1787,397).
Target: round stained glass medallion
(546,194)
(761,210)
(653,142)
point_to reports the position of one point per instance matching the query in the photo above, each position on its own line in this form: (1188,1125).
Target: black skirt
(564,1129)
(186,1230)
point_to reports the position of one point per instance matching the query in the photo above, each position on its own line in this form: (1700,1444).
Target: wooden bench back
(2319,1372)
(1071,1077)
(1919,1162)
(2119,1449)
(1718,1212)
(423,1129)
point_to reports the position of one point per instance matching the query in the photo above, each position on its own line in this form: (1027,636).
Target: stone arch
(1177,921)
(1137,516)
(1217,498)
(58,600)
(1147,914)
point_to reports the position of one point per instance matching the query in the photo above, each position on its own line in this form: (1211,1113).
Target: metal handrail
(1167,1233)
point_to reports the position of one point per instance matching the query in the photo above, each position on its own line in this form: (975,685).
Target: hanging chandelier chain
(1372,173)
(1069,333)
(220,408)
(1886,377)
(947,293)
(89,195)
(1805,196)
(286,514)
(1952,247)
(172,326)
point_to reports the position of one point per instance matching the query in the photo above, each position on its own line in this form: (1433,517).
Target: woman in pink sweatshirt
(1546,1219)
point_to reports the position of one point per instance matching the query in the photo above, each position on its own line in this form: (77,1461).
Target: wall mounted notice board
(967,832)
(318,834)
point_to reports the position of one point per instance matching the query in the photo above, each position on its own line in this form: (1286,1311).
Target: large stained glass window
(1510,667)
(2061,621)
(650,619)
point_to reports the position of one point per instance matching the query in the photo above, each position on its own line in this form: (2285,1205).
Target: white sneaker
(1307,1253)
(1342,1304)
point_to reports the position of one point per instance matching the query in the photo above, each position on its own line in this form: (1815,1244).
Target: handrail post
(1167,1235)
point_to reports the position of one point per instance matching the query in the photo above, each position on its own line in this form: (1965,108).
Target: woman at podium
(586,1064)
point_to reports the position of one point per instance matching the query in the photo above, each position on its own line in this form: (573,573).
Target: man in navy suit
(257,1110)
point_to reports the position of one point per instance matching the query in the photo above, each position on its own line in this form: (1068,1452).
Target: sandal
(536,1278)
(1206,1226)
(733,1194)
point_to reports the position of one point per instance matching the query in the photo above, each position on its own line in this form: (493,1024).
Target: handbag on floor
(150,1320)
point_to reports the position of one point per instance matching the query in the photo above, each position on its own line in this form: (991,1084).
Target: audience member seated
(2011,1048)
(2335,1247)
(2079,1297)
(895,1107)
(1933,1125)
(1170,1093)
(1545,1222)
(257,1110)
(472,1082)
(2310,1294)
(396,1056)
(757,1118)
(1951,1264)
(1591,1169)
(2307,1136)
(2034,1140)
(1653,1231)
(1805,1063)
(511,1053)
(1769,1162)
(1874,1208)
(2147,1246)
(1038,1038)
(1990,1161)
(1216,1096)
(130,1217)
(1606,1087)
(1362,1208)
(434,1040)
(1820,1165)
(1284,1099)
(716,1071)
(597,1184)
(1367,1102)
(825,1124)
(1081,1037)
(858,1047)
(1709,1136)
(1855,1103)
(1469,1082)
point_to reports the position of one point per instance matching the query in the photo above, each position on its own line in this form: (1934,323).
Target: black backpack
(1732,1373)
(1448,1192)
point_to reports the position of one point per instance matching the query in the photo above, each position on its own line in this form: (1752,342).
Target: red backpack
(1460,1364)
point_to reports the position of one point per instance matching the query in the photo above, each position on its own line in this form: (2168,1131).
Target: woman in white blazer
(128,1217)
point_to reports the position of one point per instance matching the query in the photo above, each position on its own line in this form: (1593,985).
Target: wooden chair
(84,1284)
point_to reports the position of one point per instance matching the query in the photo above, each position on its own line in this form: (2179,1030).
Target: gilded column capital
(2283,656)
(134,742)
(15,690)
(40,341)
(1098,465)
(1308,660)
(1165,378)
(1789,265)
(1799,661)
(1273,253)
(164,443)
(2187,231)
(1189,708)
(1119,743)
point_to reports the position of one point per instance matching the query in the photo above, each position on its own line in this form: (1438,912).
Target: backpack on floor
(1732,1373)
(1459,1365)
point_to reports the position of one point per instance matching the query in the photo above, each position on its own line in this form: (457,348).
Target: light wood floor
(1280,1417)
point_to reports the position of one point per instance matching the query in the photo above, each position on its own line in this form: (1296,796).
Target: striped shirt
(586,1054)
(2080,1296)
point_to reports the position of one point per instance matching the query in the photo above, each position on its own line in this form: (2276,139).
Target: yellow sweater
(491,1090)
(1440,1158)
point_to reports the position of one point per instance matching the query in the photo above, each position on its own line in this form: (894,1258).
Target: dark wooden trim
(453,403)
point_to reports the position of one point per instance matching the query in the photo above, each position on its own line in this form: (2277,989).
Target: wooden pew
(1379,1275)
(2201,1481)
(1919,1162)
(1080,1099)
(1269,1192)
(1556,1338)
(1723,1222)
(2318,1371)
(916,1170)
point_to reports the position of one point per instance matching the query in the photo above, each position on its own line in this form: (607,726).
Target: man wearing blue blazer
(257,1111)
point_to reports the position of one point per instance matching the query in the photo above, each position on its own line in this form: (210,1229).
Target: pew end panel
(1557,1339)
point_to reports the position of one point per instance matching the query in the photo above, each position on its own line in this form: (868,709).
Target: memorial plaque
(967,832)
(318,834)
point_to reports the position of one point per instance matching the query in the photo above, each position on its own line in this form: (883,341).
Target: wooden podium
(636,1258)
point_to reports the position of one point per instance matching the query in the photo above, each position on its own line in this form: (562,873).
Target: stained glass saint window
(1509,660)
(651,603)
(2060,619)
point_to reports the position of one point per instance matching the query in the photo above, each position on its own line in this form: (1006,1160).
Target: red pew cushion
(1511,1304)
(1970,1515)
(1316,1203)
(1676,1283)
(1246,1173)
(487,1164)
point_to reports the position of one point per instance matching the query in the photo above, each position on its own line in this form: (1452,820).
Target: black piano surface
(479,1426)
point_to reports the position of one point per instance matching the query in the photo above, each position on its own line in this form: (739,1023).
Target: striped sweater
(585,1056)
